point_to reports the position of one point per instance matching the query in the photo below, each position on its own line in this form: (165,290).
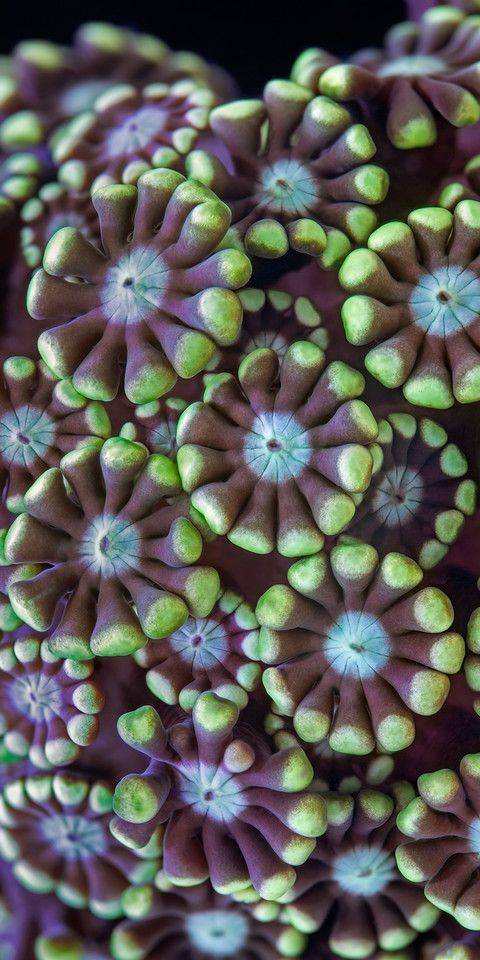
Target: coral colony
(239,446)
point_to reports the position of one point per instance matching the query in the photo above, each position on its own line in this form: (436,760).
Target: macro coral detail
(117,553)
(356,649)
(416,292)
(239,463)
(231,810)
(273,457)
(157,299)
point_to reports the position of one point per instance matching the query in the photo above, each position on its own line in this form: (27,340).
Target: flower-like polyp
(356,649)
(155,425)
(158,299)
(9,620)
(218,652)
(419,495)
(351,886)
(116,550)
(197,923)
(426,70)
(41,419)
(129,131)
(443,854)
(416,294)
(49,706)
(55,833)
(273,458)
(54,207)
(274,318)
(47,83)
(297,174)
(232,811)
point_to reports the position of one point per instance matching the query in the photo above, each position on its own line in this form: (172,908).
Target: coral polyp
(158,298)
(231,810)
(239,461)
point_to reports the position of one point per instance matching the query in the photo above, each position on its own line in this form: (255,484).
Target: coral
(55,833)
(443,822)
(129,131)
(465,949)
(108,532)
(155,425)
(274,319)
(419,498)
(351,884)
(466,189)
(52,208)
(298,173)
(231,810)
(272,459)
(19,176)
(176,925)
(41,419)
(209,653)
(46,84)
(158,298)
(416,293)
(49,707)
(357,649)
(426,70)
(340,772)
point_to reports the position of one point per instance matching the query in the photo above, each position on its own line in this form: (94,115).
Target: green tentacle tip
(267,238)
(214,714)
(135,800)
(139,727)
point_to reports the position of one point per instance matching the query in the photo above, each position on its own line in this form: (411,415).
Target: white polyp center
(74,837)
(81,96)
(398,496)
(287,187)
(25,434)
(136,132)
(270,339)
(201,642)
(276,447)
(364,871)
(135,286)
(446,300)
(163,438)
(411,66)
(211,791)
(474,836)
(37,696)
(357,645)
(217,933)
(110,545)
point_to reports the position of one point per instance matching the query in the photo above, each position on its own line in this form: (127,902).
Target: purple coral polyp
(239,615)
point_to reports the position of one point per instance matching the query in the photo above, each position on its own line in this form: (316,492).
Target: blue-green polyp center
(110,546)
(134,287)
(136,132)
(474,836)
(412,65)
(212,792)
(217,933)
(357,645)
(364,871)
(398,496)
(73,836)
(277,447)
(37,696)
(287,187)
(201,642)
(26,434)
(446,300)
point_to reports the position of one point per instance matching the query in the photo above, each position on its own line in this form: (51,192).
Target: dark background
(255,40)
